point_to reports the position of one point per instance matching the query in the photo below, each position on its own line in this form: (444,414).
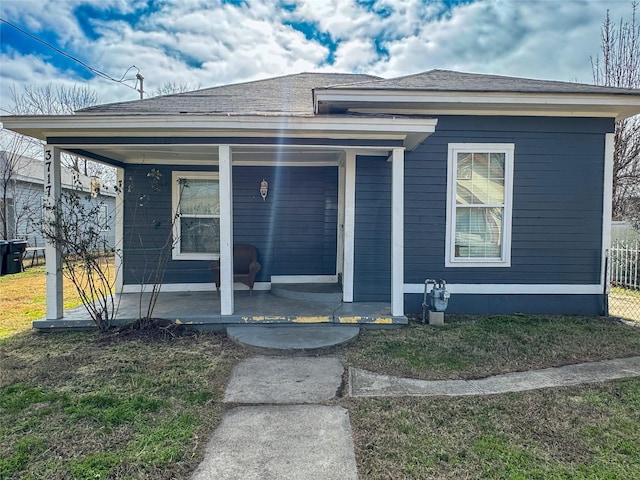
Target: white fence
(623,264)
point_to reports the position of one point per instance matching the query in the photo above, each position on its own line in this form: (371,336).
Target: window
(479,195)
(196,208)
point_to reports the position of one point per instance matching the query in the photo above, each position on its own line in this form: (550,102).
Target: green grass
(589,432)
(477,346)
(85,405)
(88,405)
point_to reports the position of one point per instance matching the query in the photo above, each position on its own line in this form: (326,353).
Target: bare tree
(73,224)
(60,100)
(170,88)
(619,66)
(50,100)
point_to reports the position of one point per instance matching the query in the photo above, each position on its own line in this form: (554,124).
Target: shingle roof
(290,95)
(447,80)
(293,94)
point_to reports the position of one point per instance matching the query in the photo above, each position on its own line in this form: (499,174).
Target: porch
(201,310)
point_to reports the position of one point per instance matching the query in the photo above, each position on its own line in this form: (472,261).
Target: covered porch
(201,310)
(223,148)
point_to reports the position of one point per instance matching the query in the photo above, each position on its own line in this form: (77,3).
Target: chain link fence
(624,274)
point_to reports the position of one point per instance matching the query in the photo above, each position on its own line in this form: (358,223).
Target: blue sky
(211,42)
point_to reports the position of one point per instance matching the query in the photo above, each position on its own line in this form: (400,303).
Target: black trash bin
(13,257)
(4,248)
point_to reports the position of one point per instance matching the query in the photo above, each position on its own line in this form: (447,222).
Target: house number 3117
(48,160)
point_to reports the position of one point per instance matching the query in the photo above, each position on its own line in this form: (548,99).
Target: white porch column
(397,232)
(349,225)
(119,231)
(226,230)
(52,194)
(340,245)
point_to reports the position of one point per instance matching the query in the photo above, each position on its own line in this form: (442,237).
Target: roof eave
(43,127)
(421,102)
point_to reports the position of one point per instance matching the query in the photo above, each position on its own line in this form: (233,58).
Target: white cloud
(200,42)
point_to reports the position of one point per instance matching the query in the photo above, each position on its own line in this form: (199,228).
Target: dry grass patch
(478,346)
(86,405)
(23,298)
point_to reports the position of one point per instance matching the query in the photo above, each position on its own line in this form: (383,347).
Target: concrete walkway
(368,384)
(284,434)
(285,426)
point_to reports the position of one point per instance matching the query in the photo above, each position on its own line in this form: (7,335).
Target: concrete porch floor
(202,310)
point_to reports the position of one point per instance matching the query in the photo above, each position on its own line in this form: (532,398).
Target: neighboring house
(500,186)
(23,180)
(622,231)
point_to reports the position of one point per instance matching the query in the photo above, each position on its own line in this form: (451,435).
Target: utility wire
(77,60)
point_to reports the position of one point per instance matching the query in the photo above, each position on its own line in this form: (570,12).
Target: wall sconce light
(264,189)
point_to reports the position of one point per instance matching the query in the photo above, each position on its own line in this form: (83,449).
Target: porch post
(340,245)
(397,232)
(226,230)
(349,225)
(52,195)
(118,243)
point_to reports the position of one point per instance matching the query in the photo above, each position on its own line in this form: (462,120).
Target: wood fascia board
(493,111)
(206,125)
(615,105)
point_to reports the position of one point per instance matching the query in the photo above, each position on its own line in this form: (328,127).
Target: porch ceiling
(208,154)
(192,138)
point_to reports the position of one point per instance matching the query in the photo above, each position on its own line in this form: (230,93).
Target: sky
(203,43)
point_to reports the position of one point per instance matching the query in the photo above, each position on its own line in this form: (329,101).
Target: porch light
(264,189)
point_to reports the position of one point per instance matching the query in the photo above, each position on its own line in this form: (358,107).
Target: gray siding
(294,230)
(26,212)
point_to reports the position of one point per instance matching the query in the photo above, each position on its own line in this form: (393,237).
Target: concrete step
(309,292)
(292,338)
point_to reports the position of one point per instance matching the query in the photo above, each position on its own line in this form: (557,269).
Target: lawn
(587,432)
(86,405)
(90,405)
(23,298)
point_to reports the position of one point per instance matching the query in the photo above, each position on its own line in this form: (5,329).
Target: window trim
(508,150)
(176,253)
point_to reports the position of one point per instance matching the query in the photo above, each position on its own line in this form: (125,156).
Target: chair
(245,266)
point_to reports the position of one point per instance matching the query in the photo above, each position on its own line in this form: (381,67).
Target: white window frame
(176,253)
(508,150)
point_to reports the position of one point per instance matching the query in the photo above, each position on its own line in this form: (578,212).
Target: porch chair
(245,266)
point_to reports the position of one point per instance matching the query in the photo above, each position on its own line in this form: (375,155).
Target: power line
(77,60)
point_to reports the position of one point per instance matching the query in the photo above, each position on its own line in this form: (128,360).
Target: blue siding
(294,230)
(147,229)
(531,304)
(557,200)
(372,262)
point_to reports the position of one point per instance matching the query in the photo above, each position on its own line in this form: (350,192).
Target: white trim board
(191,287)
(607,204)
(453,288)
(304,278)
(511,289)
